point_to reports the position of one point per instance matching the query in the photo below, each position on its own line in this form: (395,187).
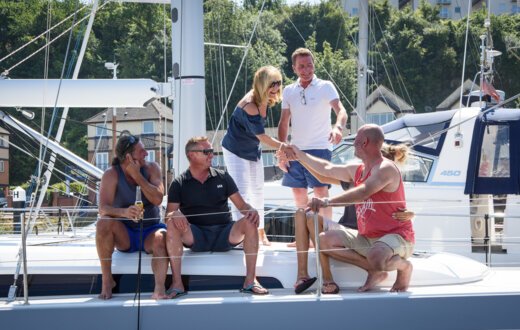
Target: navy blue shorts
(133,236)
(212,238)
(299,177)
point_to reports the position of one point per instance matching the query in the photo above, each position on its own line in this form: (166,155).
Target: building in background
(449,9)
(4,166)
(152,124)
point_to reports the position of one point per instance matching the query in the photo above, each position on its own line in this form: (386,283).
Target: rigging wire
(239,68)
(47,32)
(50,42)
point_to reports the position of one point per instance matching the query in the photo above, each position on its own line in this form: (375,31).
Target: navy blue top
(125,197)
(241,134)
(203,204)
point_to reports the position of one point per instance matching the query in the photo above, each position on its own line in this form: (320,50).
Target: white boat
(447,291)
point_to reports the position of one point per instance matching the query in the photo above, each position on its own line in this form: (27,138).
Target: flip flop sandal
(305,284)
(250,289)
(178,293)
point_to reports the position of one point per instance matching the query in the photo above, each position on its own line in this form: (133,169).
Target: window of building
(151,156)
(101,130)
(444,12)
(380,118)
(2,167)
(457,10)
(2,141)
(148,127)
(355,11)
(102,160)
(515,9)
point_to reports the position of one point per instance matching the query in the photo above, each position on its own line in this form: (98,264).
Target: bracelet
(339,127)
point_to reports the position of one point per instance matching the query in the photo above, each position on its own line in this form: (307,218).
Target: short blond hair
(193,143)
(262,81)
(301,52)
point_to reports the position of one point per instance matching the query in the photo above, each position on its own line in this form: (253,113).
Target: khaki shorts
(362,244)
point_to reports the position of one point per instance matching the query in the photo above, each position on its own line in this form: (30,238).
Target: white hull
(480,305)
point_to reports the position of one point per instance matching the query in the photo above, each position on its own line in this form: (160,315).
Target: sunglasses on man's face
(275,83)
(204,151)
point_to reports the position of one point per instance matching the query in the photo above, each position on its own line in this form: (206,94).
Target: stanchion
(317,250)
(24,258)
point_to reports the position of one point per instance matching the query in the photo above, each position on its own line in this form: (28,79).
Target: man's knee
(106,227)
(300,217)
(321,191)
(172,231)
(159,240)
(378,256)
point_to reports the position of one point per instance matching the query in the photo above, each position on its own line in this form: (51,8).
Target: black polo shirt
(206,203)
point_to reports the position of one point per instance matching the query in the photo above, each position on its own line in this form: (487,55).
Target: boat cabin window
(416,169)
(426,138)
(344,154)
(494,157)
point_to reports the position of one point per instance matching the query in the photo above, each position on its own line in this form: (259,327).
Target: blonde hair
(301,52)
(262,81)
(193,143)
(396,152)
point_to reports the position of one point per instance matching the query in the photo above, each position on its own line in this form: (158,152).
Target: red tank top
(374,215)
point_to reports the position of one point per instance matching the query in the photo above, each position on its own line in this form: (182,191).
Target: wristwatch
(326,200)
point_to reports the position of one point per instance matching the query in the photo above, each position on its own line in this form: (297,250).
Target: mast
(362,66)
(189,117)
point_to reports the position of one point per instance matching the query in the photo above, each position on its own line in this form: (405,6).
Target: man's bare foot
(373,279)
(403,278)
(293,244)
(159,294)
(330,288)
(106,289)
(263,237)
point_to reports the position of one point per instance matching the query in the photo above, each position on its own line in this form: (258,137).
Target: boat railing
(48,219)
(69,212)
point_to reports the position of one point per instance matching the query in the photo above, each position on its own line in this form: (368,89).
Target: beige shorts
(362,244)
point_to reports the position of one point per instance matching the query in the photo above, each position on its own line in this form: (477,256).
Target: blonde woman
(242,142)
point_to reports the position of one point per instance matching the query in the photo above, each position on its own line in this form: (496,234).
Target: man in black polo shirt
(198,216)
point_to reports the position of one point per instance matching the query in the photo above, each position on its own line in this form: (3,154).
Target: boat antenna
(458,134)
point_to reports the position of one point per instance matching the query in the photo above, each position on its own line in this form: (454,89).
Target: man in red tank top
(381,243)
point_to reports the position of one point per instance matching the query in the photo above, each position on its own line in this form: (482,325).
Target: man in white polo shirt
(306,105)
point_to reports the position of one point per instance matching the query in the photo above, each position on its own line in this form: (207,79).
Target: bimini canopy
(424,132)
(494,162)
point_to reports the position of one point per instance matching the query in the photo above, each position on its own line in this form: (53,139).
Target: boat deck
(487,304)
